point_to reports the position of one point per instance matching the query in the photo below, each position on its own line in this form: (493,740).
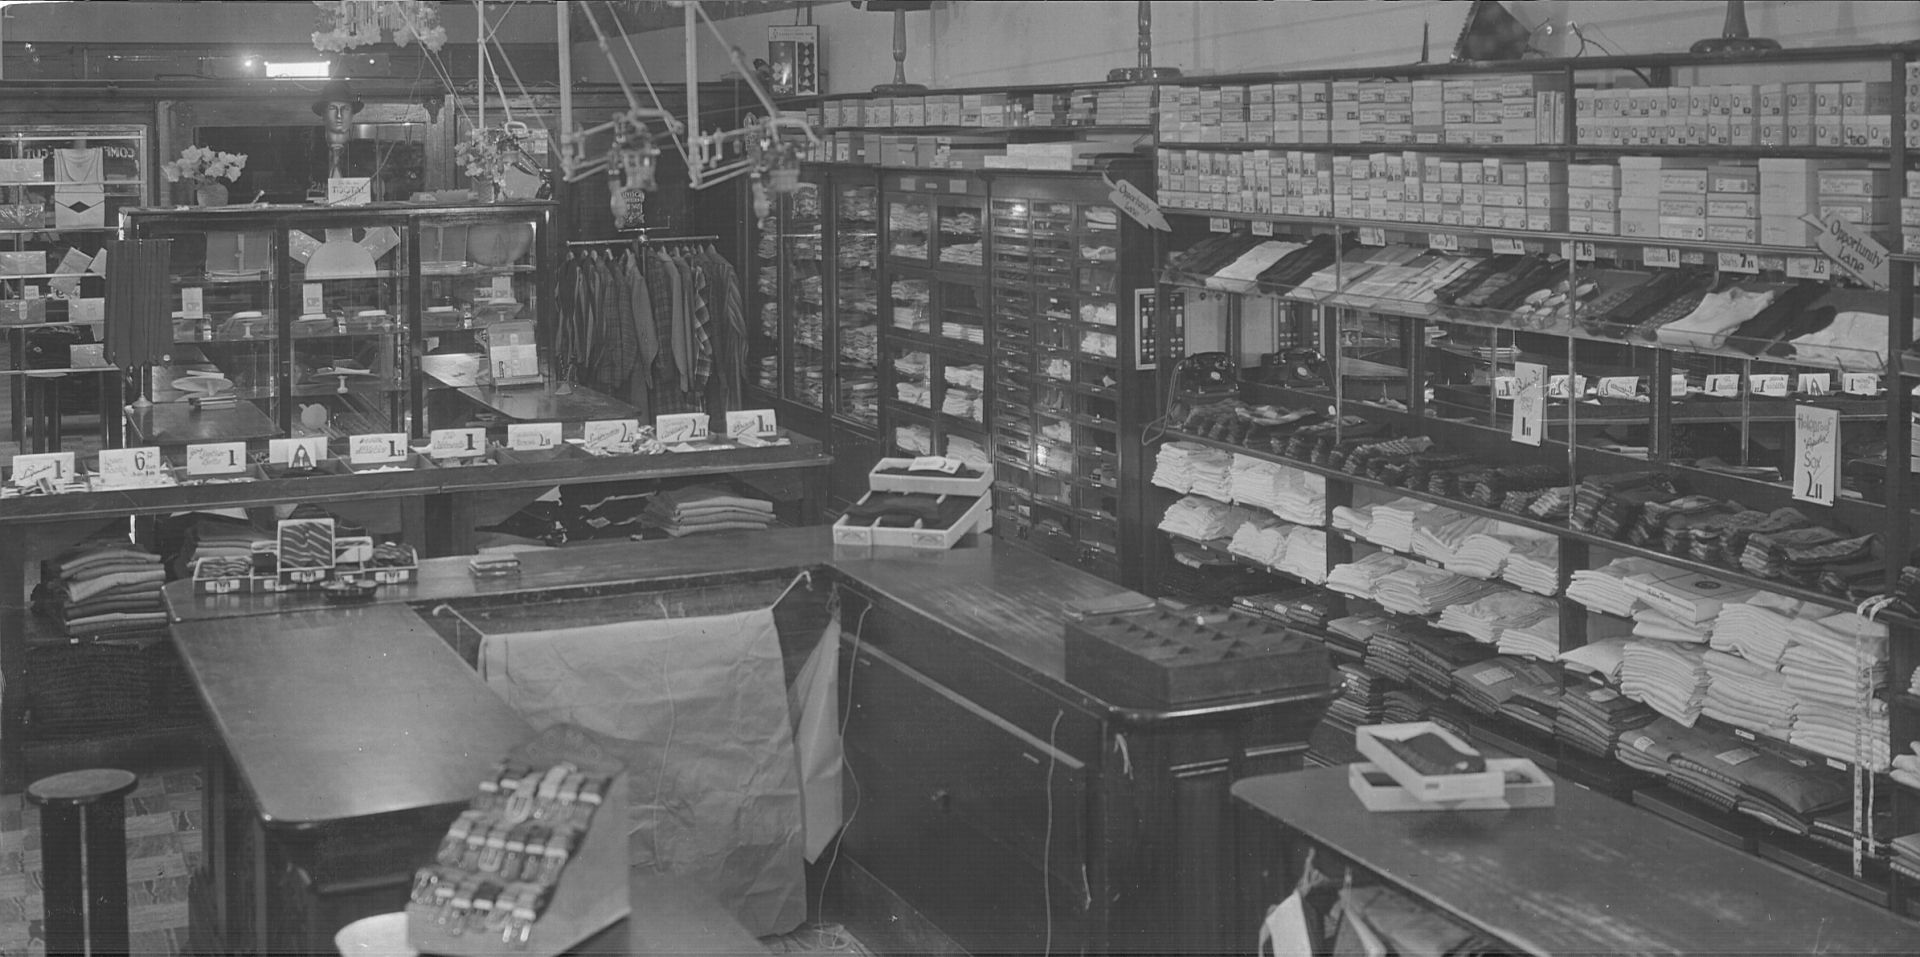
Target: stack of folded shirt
(701,508)
(1906,855)
(1486,685)
(1692,600)
(1306,555)
(1536,705)
(1203,519)
(1670,677)
(1538,639)
(1360,700)
(1261,538)
(1212,475)
(1174,467)
(1358,633)
(1655,626)
(1418,589)
(1482,554)
(1393,523)
(1610,588)
(1436,655)
(1717,316)
(1906,767)
(1360,578)
(1488,618)
(1533,563)
(1761,627)
(1592,718)
(1650,747)
(1786,792)
(215,536)
(1749,695)
(1355,520)
(1439,533)
(102,589)
(1835,670)
(1600,659)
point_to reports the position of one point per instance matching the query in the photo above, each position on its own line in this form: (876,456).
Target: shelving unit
(1400,360)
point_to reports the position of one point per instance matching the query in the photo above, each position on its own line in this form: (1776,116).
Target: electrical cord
(1046,844)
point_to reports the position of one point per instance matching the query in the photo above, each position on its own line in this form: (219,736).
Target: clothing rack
(641,240)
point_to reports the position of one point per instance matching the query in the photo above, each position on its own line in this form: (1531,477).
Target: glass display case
(856,297)
(303,321)
(61,192)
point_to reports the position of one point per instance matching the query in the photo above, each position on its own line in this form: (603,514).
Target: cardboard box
(1427,787)
(977,517)
(885,476)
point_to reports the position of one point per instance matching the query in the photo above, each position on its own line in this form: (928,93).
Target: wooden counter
(970,640)
(1591,875)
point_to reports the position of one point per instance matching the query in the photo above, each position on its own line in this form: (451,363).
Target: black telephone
(1206,377)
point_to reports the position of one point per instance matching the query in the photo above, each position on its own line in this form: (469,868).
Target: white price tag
(1507,246)
(1815,383)
(1557,386)
(1748,263)
(1861,383)
(532,436)
(1373,236)
(1677,384)
(1578,250)
(1772,384)
(1263,227)
(301,453)
(1816,461)
(456,443)
(313,299)
(192,302)
(1444,242)
(1219,224)
(1723,384)
(349,191)
(217,458)
(55,467)
(610,435)
(1663,257)
(1619,386)
(759,423)
(1529,402)
(377,448)
(120,468)
(682,427)
(1505,387)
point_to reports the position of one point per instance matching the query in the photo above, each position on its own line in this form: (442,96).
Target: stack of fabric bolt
(1436,656)
(102,589)
(701,508)
(1486,685)
(1356,634)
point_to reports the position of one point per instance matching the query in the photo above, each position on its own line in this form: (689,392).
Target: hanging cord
(1046,843)
(853,667)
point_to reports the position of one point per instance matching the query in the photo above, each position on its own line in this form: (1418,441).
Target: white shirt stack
(1173,467)
(1420,589)
(1611,587)
(1602,659)
(1440,534)
(1202,519)
(1489,617)
(1359,578)
(1534,564)
(1668,677)
(1306,557)
(1762,627)
(1354,520)
(1749,695)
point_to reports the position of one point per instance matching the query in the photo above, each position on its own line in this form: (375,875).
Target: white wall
(963,43)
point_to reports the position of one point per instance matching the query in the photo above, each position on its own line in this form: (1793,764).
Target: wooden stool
(83,853)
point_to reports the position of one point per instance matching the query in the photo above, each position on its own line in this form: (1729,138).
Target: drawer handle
(942,799)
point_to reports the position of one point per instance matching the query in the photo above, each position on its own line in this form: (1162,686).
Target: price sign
(192,302)
(349,190)
(1860,383)
(532,436)
(1723,384)
(1852,248)
(1506,246)
(456,443)
(55,467)
(1444,242)
(1219,224)
(377,448)
(301,453)
(121,468)
(1748,263)
(1809,267)
(1816,383)
(217,458)
(1136,204)
(610,435)
(1578,250)
(754,422)
(1619,386)
(1663,257)
(1816,460)
(1373,236)
(1677,385)
(682,427)
(1774,384)
(1557,386)
(1529,402)
(1263,227)
(313,299)
(1505,387)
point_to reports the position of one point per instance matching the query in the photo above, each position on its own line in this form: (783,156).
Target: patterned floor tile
(169,890)
(155,868)
(157,916)
(152,846)
(149,825)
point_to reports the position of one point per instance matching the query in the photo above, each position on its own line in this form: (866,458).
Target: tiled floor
(163,847)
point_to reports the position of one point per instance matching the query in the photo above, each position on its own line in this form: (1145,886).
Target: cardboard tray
(928,483)
(1483,785)
(978,517)
(1379,792)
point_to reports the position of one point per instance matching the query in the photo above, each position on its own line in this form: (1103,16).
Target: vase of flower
(204,169)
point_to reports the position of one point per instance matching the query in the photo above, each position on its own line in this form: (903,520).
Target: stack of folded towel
(102,589)
(701,508)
